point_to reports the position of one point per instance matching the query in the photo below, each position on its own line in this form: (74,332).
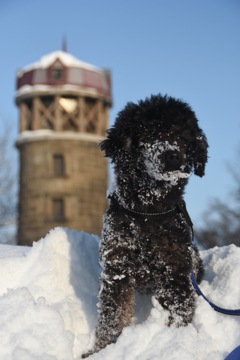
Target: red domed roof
(60,70)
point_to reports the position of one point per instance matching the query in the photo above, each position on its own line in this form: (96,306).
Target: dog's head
(163,134)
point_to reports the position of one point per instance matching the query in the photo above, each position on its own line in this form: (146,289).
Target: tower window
(58,209)
(57,74)
(59,166)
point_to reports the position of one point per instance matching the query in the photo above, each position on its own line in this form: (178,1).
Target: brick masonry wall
(82,187)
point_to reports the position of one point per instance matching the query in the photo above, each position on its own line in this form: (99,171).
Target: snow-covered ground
(48,296)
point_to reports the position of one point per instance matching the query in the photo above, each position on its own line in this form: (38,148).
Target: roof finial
(64,44)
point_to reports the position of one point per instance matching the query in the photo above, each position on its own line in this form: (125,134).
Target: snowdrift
(48,296)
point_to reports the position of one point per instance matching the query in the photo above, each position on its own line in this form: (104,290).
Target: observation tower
(64,113)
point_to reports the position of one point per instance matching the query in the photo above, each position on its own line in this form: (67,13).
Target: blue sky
(185,48)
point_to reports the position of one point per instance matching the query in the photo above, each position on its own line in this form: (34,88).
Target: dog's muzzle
(165,162)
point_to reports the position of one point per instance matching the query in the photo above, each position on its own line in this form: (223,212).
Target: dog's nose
(173,160)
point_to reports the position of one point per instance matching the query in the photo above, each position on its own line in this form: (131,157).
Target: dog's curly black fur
(147,245)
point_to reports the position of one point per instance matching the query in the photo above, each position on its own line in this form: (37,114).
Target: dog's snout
(173,160)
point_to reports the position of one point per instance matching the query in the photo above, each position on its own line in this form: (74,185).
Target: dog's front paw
(180,317)
(87,354)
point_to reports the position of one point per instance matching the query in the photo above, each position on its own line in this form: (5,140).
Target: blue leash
(183,210)
(235,312)
(235,354)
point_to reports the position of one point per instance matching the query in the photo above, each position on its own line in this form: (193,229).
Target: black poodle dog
(146,245)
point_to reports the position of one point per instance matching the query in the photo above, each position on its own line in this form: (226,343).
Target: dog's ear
(114,144)
(122,138)
(200,153)
(108,147)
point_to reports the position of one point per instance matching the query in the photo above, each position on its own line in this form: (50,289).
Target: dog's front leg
(116,310)
(177,296)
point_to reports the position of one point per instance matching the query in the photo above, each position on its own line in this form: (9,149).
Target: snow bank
(48,296)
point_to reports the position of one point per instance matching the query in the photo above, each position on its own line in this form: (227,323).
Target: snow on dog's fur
(146,245)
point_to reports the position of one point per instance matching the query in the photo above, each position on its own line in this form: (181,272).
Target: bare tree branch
(222,220)
(8,184)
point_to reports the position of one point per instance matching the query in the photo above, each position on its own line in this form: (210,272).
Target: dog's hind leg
(197,264)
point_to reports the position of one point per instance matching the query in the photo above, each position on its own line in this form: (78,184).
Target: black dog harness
(180,208)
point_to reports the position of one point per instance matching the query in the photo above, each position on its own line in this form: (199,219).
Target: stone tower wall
(75,197)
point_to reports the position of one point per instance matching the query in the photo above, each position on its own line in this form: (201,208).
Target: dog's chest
(154,239)
(157,244)
(144,248)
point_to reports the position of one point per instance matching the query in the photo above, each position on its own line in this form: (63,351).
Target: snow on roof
(66,58)
(26,89)
(46,134)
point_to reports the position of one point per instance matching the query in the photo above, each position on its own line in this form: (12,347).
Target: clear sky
(186,48)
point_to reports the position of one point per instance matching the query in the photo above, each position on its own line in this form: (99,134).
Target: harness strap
(115,206)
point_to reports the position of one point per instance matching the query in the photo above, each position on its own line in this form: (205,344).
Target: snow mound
(48,296)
